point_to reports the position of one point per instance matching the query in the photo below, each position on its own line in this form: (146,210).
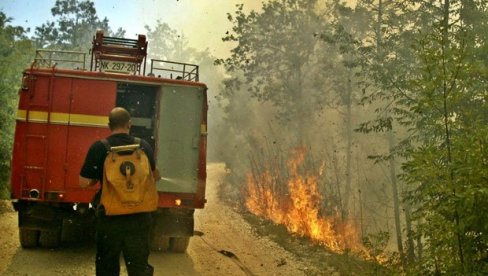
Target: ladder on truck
(118,55)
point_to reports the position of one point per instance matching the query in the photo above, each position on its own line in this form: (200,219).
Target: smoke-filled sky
(202,22)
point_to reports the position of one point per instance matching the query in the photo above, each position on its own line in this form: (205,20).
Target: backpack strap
(137,140)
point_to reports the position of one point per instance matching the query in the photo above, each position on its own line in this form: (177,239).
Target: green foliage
(274,54)
(75,23)
(446,167)
(426,72)
(15,54)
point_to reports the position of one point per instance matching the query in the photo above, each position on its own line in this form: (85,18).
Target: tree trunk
(347,192)
(445,91)
(391,144)
(410,242)
(396,201)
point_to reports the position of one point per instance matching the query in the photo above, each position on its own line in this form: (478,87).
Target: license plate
(117,66)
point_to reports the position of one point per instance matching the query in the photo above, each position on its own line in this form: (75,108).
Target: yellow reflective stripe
(59,118)
(37,116)
(21,115)
(62,118)
(81,119)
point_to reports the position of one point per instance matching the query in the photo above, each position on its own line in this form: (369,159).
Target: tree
(273,95)
(444,107)
(346,35)
(15,54)
(167,44)
(273,51)
(74,26)
(381,39)
(306,85)
(436,91)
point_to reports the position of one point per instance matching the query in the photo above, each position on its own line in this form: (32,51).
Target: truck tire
(49,239)
(28,237)
(160,243)
(179,244)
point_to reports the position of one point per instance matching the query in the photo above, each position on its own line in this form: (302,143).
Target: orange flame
(299,210)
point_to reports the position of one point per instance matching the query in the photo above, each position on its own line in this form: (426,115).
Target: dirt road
(225,246)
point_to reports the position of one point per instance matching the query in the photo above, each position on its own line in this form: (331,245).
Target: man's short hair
(119,117)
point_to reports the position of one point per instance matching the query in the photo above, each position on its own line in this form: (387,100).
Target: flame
(298,206)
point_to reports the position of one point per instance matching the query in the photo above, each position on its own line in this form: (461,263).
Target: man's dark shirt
(93,166)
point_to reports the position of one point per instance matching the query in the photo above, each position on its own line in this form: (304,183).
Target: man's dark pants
(126,234)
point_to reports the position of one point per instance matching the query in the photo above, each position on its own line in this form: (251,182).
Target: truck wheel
(49,239)
(160,243)
(179,244)
(28,237)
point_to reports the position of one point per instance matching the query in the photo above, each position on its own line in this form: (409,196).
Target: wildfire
(297,206)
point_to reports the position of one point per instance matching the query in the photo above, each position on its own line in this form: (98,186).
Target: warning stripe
(71,119)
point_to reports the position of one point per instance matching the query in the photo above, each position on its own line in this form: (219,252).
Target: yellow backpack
(128,182)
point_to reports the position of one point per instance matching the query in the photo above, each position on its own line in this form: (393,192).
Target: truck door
(178,141)
(31,141)
(91,101)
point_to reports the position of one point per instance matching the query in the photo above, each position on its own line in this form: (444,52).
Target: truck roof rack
(49,58)
(123,52)
(171,69)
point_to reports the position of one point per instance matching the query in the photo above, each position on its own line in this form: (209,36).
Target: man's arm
(86,182)
(91,171)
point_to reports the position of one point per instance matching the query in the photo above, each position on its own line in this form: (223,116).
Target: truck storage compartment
(140,101)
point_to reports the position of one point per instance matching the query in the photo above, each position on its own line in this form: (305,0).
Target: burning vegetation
(288,193)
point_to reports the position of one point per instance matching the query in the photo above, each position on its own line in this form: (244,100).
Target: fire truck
(63,108)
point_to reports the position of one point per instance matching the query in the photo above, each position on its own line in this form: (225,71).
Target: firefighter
(126,234)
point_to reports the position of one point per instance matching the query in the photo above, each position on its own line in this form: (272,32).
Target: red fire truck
(64,107)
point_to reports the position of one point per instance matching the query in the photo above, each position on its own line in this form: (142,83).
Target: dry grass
(320,260)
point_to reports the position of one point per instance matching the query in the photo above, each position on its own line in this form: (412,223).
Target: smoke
(312,112)
(203,23)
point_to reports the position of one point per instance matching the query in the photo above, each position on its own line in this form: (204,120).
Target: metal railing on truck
(174,70)
(48,58)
